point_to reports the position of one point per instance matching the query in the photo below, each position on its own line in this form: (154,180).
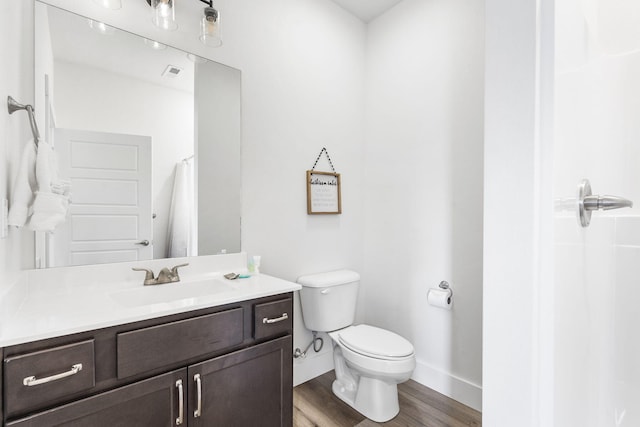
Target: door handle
(180,418)
(587,203)
(198,410)
(143,243)
(605,203)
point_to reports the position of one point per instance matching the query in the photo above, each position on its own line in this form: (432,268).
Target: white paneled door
(110,217)
(597,268)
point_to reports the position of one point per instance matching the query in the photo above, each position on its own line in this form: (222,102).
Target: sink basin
(171,292)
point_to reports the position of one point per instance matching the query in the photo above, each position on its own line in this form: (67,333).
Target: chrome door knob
(143,243)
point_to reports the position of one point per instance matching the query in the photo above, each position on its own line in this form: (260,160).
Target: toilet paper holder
(445,285)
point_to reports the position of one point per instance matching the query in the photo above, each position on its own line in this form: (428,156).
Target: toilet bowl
(369,362)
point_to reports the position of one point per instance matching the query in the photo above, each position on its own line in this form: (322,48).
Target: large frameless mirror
(148,138)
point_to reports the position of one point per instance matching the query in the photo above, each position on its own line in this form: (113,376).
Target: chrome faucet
(164,276)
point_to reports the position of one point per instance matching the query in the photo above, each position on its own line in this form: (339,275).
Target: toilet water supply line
(299,353)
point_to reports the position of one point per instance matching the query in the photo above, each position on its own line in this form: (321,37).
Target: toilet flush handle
(325,291)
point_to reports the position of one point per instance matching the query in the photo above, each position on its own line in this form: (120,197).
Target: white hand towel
(49,208)
(24,186)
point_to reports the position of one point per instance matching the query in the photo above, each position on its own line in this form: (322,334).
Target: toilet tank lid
(331,278)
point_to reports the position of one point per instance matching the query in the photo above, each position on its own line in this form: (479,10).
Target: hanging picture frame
(323,193)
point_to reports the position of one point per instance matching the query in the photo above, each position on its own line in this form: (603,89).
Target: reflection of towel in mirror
(52,198)
(49,211)
(181,236)
(24,187)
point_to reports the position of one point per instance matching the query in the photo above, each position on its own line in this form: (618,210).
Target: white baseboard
(456,388)
(312,366)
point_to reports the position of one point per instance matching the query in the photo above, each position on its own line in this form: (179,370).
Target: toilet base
(372,397)
(375,399)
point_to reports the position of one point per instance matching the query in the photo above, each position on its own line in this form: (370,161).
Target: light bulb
(210,28)
(163,14)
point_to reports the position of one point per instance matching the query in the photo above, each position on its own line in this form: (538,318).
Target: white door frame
(518,214)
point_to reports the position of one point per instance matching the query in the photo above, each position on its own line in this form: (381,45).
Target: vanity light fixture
(210,26)
(163,14)
(110,4)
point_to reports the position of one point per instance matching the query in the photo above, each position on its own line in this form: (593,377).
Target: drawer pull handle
(31,381)
(198,410)
(180,418)
(284,316)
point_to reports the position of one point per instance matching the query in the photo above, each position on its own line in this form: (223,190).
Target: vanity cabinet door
(150,403)
(250,387)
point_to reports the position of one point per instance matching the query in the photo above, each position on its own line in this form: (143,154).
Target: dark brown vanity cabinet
(215,367)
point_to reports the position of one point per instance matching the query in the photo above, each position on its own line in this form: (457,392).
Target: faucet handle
(174,269)
(148,277)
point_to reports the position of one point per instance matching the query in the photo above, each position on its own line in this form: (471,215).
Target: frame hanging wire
(324,150)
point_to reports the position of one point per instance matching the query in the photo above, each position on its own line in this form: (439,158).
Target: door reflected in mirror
(149,138)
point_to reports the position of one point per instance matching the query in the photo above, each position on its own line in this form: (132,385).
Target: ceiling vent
(171,71)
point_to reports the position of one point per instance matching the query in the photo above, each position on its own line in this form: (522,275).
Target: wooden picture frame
(323,193)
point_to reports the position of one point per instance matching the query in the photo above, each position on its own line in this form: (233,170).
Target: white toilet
(369,362)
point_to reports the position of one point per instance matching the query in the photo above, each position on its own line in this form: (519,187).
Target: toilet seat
(375,342)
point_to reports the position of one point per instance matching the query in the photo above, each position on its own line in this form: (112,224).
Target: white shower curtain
(182,235)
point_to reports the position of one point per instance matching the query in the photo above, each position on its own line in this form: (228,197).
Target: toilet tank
(329,299)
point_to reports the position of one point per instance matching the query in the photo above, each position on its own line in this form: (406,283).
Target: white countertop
(38,311)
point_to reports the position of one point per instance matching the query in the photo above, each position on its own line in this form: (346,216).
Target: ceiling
(367,10)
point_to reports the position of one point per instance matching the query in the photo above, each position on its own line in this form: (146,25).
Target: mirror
(148,137)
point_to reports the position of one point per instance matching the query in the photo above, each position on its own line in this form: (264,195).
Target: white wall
(423,186)
(16,79)
(123,104)
(303,89)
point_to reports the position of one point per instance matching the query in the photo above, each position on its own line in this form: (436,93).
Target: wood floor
(314,405)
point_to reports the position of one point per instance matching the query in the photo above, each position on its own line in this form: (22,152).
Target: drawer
(160,346)
(273,318)
(37,379)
